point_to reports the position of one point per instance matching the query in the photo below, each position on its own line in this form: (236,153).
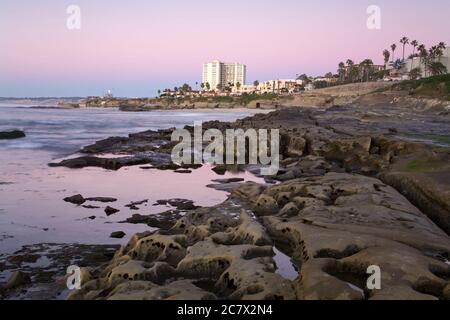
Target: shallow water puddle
(358,289)
(285,266)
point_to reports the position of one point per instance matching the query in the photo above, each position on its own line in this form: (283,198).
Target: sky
(136,47)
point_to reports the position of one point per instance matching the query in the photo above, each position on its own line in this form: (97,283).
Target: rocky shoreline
(353,191)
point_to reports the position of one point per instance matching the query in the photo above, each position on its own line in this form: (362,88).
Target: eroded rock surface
(350,195)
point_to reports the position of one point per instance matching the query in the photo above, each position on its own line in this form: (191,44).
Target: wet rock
(90,207)
(154,158)
(118,234)
(134,205)
(181,171)
(76,199)
(229,180)
(17,279)
(110,210)
(106,145)
(23,258)
(9,135)
(48,281)
(220,169)
(180,204)
(165,220)
(101,199)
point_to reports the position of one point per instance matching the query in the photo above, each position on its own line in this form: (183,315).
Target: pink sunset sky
(137,47)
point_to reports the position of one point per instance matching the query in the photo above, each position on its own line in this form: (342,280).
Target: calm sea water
(31,206)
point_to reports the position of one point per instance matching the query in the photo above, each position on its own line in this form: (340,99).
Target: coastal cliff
(417,94)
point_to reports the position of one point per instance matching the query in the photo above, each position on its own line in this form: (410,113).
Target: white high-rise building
(220,74)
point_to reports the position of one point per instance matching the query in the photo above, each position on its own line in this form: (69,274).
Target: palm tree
(423,54)
(386,55)
(393,47)
(414,43)
(367,69)
(208,86)
(350,65)
(238,85)
(436,68)
(415,73)
(341,71)
(159,92)
(404,41)
(441,47)
(202,85)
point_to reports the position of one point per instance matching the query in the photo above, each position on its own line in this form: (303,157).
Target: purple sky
(137,47)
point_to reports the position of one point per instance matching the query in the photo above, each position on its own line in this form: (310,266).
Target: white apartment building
(220,74)
(271,86)
(276,86)
(418,63)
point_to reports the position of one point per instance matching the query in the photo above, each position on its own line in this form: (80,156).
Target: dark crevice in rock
(335,254)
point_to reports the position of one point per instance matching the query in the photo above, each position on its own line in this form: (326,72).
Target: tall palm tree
(366,66)
(423,54)
(414,44)
(436,68)
(441,47)
(351,66)
(393,47)
(386,55)
(404,41)
(341,71)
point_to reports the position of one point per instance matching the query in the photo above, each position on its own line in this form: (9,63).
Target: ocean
(32,209)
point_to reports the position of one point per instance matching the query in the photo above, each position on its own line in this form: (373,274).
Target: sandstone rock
(266,205)
(295,146)
(135,270)
(178,290)
(362,223)
(159,248)
(242,271)
(289,210)
(17,279)
(249,231)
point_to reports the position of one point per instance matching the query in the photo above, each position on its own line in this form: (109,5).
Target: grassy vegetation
(426,165)
(437,87)
(243,100)
(439,139)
